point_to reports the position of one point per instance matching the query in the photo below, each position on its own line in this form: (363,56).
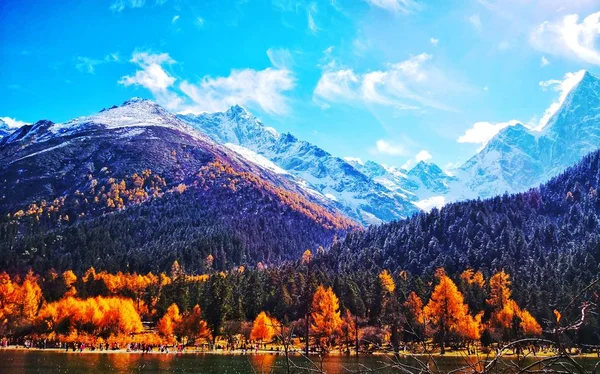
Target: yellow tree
(507,316)
(325,316)
(30,297)
(169,322)
(387,282)
(262,328)
(69,279)
(447,311)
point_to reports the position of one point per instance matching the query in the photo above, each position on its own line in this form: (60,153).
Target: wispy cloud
(199,22)
(175,18)
(154,77)
(312,26)
(280,58)
(88,65)
(563,87)
(434,41)
(389,148)
(570,38)
(121,5)
(544,61)
(405,85)
(265,88)
(396,6)
(475,21)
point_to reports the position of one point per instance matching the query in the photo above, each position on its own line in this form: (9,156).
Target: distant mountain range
(516,159)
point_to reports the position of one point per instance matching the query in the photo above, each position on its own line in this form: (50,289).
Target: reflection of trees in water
(263,363)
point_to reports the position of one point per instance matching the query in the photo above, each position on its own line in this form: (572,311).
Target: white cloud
(423,155)
(263,88)
(199,22)
(475,20)
(337,85)
(13,123)
(563,87)
(385,147)
(434,41)
(396,6)
(88,65)
(280,58)
(570,38)
(154,77)
(175,18)
(544,62)
(430,203)
(482,132)
(120,5)
(358,160)
(404,85)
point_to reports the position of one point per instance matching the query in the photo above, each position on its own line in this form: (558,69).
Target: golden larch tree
(447,311)
(325,316)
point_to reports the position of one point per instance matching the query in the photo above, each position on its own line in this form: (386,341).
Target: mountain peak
(136,100)
(237,111)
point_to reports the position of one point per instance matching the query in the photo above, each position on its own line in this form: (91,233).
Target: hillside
(134,187)
(546,238)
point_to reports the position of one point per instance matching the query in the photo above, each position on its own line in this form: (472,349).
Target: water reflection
(34,361)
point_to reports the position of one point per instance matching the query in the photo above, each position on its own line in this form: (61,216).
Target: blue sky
(393,81)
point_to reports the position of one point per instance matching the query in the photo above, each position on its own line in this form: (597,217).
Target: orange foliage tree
(507,316)
(325,316)
(193,326)
(169,323)
(263,328)
(448,313)
(98,316)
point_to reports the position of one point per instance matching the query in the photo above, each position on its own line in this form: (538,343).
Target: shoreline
(437,355)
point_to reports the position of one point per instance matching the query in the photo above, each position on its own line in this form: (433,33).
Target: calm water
(58,362)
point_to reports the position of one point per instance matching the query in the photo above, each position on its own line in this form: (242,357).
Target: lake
(35,361)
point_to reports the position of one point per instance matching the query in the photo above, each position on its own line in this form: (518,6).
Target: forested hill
(134,188)
(548,238)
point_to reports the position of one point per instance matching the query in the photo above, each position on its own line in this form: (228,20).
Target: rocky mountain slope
(357,194)
(67,185)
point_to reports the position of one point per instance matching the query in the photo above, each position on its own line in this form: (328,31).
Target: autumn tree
(98,316)
(262,328)
(168,324)
(325,317)
(507,317)
(415,318)
(193,326)
(69,279)
(448,313)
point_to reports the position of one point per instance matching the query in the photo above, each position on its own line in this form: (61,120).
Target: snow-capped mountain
(519,158)
(162,187)
(355,193)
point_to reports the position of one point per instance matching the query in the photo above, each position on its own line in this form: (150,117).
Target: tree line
(354,312)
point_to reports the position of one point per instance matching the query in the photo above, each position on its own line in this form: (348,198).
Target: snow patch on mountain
(255,158)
